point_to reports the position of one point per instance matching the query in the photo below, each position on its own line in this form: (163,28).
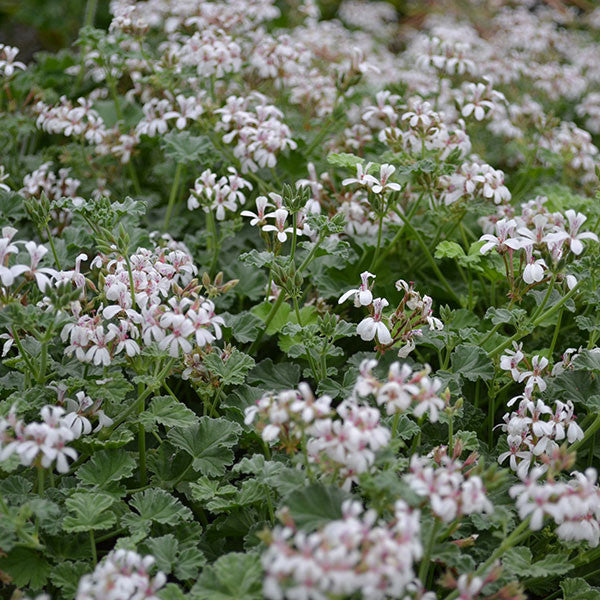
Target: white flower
(280,216)
(122,575)
(363,295)
(503,240)
(372,327)
(258,218)
(181,329)
(573,237)
(534,268)
(534,376)
(362,176)
(385,172)
(510,361)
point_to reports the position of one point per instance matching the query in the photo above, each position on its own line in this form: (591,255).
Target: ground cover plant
(300,307)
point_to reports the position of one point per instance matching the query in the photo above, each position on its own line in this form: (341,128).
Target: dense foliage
(302,308)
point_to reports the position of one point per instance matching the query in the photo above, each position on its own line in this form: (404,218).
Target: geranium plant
(299,307)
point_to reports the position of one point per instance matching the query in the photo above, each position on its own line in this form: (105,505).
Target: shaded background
(49,25)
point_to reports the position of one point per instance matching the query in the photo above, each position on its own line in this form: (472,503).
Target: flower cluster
(355,555)
(257,129)
(534,432)
(122,575)
(43,443)
(451,489)
(54,185)
(346,446)
(165,308)
(404,390)
(341,443)
(403,325)
(218,195)
(472,180)
(285,415)
(66,119)
(573,505)
(80,410)
(537,237)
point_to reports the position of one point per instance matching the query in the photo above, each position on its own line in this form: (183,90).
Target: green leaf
(279,320)
(105,467)
(118,438)
(66,576)
(270,376)
(407,428)
(344,159)
(257,259)
(315,505)
(47,513)
(232,370)
(518,561)
(244,326)
(155,506)
(472,363)
(451,556)
(503,315)
(188,563)
(14,489)
(577,386)
(577,588)
(89,512)
(234,576)
(167,411)
(587,360)
(208,443)
(164,549)
(587,323)
(184,148)
(25,567)
(448,249)
(172,592)
(206,489)
(335,389)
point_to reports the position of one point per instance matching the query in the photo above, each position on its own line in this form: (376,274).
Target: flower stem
(376,255)
(40,480)
(426,561)
(90,13)
(130,271)
(395,425)
(540,308)
(173,195)
(294,235)
(309,357)
(305,456)
(275,308)
(142,437)
(93,547)
(210,221)
(429,258)
(23,353)
(52,247)
(270,507)
(508,543)
(534,323)
(556,332)
(270,317)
